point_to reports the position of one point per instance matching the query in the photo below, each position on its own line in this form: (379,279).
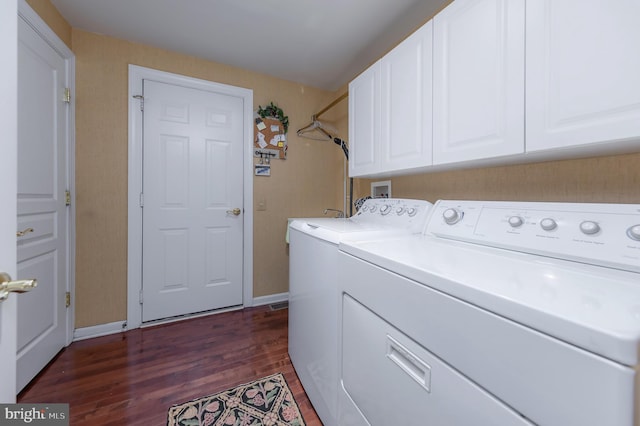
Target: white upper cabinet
(406,103)
(478,80)
(364,122)
(501,81)
(390,110)
(583,73)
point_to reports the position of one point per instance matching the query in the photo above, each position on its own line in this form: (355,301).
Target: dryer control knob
(400,210)
(373,208)
(515,221)
(452,216)
(589,227)
(548,224)
(385,210)
(634,232)
(411,211)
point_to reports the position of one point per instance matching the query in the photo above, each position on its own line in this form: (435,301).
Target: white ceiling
(319,43)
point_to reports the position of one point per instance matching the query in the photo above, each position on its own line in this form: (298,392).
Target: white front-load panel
(394,381)
(313,320)
(550,382)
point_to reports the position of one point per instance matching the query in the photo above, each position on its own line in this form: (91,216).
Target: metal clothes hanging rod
(332,104)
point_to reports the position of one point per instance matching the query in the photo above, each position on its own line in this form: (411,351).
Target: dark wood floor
(133,378)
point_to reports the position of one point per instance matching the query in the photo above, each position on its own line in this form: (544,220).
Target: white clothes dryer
(313,288)
(500,313)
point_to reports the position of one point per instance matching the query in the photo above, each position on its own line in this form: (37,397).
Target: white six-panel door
(192,182)
(43,126)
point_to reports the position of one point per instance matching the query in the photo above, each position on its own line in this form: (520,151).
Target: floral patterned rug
(265,402)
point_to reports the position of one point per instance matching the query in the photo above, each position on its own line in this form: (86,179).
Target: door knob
(19,286)
(235,211)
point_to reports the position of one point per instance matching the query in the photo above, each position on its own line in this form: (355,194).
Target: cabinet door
(583,72)
(406,103)
(364,122)
(478,108)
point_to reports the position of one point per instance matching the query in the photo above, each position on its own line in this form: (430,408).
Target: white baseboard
(271,298)
(120,326)
(99,330)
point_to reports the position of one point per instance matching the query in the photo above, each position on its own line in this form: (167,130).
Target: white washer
(313,289)
(501,313)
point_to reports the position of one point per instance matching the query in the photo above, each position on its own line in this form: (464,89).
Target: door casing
(134,244)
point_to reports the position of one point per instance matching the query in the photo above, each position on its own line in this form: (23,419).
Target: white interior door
(192,182)
(8,147)
(42,181)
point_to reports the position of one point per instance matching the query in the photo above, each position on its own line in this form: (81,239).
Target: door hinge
(67,302)
(141,199)
(67,95)
(67,198)
(141,99)
(141,296)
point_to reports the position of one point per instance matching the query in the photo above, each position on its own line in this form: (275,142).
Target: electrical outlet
(262,205)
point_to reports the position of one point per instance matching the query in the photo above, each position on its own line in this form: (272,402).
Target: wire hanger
(315,131)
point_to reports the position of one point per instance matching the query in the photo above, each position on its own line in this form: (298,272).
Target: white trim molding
(99,330)
(134,254)
(271,298)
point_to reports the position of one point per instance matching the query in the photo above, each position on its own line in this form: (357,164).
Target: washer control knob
(411,211)
(548,224)
(634,232)
(516,221)
(385,210)
(373,208)
(589,227)
(400,210)
(452,216)
(364,208)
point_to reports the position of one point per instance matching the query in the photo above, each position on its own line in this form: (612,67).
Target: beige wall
(609,179)
(52,17)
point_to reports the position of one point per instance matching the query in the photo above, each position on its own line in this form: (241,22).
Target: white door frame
(134,245)
(28,15)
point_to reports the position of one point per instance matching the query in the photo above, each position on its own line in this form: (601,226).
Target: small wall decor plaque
(262,170)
